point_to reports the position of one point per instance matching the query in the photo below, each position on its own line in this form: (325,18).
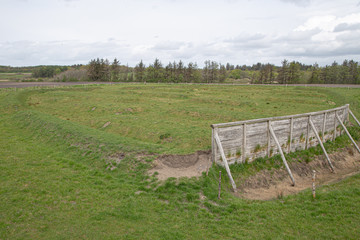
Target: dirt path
(274,184)
(191,165)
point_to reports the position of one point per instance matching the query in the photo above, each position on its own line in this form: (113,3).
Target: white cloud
(239,32)
(300,3)
(347,27)
(328,22)
(325,23)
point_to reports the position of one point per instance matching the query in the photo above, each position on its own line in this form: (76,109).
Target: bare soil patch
(267,185)
(190,165)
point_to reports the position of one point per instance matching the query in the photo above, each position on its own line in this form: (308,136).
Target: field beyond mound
(177,118)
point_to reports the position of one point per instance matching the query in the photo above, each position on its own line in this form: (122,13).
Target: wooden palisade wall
(247,140)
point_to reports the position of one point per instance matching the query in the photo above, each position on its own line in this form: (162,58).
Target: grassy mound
(55,181)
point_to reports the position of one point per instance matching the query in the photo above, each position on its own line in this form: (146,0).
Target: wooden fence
(244,141)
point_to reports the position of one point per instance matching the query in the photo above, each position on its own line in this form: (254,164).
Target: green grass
(14,76)
(181,113)
(55,183)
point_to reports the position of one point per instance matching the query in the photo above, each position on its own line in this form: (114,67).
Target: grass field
(54,153)
(14,76)
(178,117)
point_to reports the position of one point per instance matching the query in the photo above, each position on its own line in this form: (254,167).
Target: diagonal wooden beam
(281,153)
(351,113)
(347,132)
(218,142)
(321,144)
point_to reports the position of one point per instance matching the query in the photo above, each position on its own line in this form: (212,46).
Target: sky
(67,32)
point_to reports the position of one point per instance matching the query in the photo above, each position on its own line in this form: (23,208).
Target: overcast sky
(66,32)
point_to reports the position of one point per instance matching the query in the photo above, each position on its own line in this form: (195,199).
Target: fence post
(291,133)
(307,133)
(324,127)
(219,191)
(334,136)
(213,146)
(313,183)
(268,139)
(244,142)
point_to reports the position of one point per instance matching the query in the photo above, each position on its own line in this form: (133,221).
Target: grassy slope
(177,117)
(54,185)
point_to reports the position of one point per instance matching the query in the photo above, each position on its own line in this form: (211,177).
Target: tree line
(173,72)
(294,72)
(348,72)
(47,71)
(213,72)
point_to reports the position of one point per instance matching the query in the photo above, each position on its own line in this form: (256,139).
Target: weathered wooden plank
(323,128)
(291,133)
(347,113)
(330,121)
(347,132)
(229,133)
(281,153)
(318,121)
(244,143)
(321,144)
(280,123)
(218,142)
(307,134)
(215,149)
(230,144)
(255,129)
(273,118)
(252,140)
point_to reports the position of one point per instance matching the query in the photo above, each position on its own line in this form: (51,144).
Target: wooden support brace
(281,153)
(347,132)
(218,142)
(321,144)
(357,121)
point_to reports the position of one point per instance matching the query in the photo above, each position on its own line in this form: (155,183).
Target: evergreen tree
(180,70)
(169,72)
(294,73)
(140,72)
(315,78)
(115,70)
(206,72)
(283,76)
(222,73)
